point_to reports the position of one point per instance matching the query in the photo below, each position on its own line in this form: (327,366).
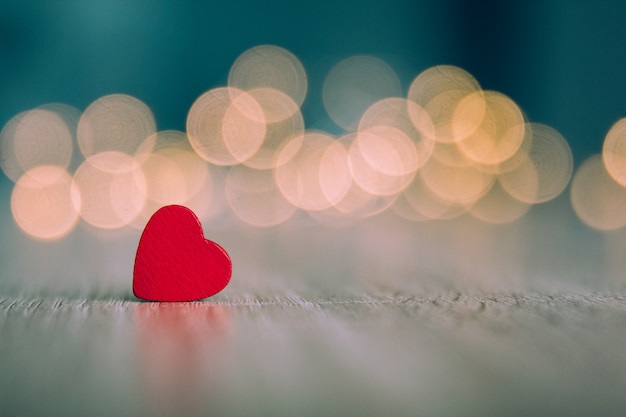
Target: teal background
(564,62)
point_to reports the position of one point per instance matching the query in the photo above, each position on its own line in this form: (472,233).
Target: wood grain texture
(286,355)
(381,318)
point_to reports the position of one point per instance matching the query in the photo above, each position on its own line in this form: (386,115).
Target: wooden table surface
(380,318)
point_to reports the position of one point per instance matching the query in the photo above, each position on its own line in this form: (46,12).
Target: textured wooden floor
(377,319)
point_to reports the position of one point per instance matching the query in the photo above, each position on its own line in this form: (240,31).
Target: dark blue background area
(564,62)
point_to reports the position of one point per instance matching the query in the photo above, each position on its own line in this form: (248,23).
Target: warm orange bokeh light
(45,203)
(304,166)
(456,184)
(226,126)
(112,189)
(488,127)
(596,197)
(439,89)
(614,151)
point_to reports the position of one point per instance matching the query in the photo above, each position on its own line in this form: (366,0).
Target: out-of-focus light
(71,116)
(283,121)
(270,66)
(117,122)
(174,175)
(388,149)
(614,151)
(360,204)
(439,90)
(33,138)
(43,202)
(428,204)
(403,209)
(498,207)
(596,197)
(369,177)
(456,184)
(449,153)
(546,171)
(301,174)
(496,134)
(254,197)
(407,117)
(354,84)
(112,189)
(334,172)
(226,126)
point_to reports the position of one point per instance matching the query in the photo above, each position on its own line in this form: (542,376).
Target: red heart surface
(175,262)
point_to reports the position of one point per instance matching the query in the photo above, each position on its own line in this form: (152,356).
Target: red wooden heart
(175,262)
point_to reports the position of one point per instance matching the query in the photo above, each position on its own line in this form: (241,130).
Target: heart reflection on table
(181,348)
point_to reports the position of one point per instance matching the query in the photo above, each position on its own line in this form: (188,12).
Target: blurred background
(562,62)
(325,314)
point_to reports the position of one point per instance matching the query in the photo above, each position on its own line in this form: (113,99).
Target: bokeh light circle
(45,203)
(32,138)
(112,189)
(310,171)
(439,89)
(354,84)
(488,127)
(407,117)
(614,151)
(226,126)
(117,122)
(546,171)
(270,66)
(596,197)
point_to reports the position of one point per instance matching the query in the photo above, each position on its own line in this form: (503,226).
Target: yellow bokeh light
(226,126)
(44,202)
(270,66)
(438,79)
(32,138)
(254,197)
(117,122)
(354,84)
(596,197)
(439,89)
(456,184)
(488,127)
(614,151)
(546,171)
(112,189)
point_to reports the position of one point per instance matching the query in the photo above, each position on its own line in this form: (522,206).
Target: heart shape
(175,262)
